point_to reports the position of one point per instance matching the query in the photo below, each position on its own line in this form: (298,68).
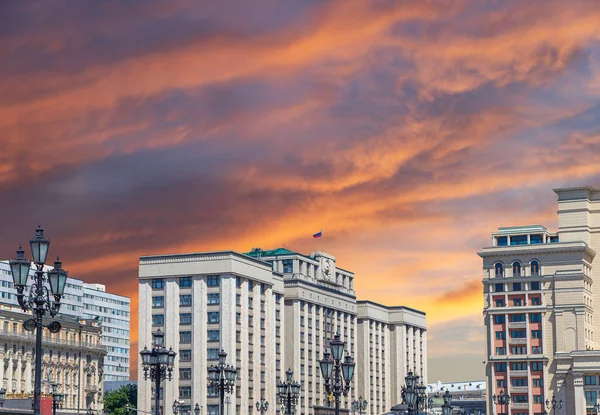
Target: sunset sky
(407,131)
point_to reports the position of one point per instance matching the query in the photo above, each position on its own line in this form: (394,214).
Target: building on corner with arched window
(540,296)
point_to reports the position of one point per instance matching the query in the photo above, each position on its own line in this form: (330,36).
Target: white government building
(270,310)
(89,301)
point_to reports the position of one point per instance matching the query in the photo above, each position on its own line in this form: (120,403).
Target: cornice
(553,248)
(200,256)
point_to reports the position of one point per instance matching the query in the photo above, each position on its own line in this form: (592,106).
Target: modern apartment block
(539,311)
(204,302)
(114,312)
(270,310)
(89,301)
(392,341)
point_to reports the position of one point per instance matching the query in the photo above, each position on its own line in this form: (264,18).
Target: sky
(407,131)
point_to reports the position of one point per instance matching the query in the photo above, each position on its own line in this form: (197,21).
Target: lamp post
(57,398)
(447,406)
(177,407)
(158,364)
(596,408)
(222,378)
(421,397)
(38,300)
(360,405)
(502,399)
(337,374)
(554,403)
(289,393)
(262,405)
(197,409)
(414,395)
(2,397)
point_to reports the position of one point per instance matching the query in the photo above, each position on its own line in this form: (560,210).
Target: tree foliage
(115,401)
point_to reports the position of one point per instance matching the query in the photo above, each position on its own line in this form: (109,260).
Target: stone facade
(539,291)
(73,358)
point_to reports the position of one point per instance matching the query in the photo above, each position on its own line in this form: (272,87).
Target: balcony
(517,341)
(517,325)
(519,389)
(91,388)
(518,373)
(520,405)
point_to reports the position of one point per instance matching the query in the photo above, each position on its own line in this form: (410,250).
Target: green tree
(115,401)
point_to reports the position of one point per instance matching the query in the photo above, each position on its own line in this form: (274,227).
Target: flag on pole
(318,234)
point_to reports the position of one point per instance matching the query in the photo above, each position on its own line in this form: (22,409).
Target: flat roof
(397,307)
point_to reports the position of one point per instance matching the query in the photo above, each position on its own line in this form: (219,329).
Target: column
(199,354)
(144,339)
(243,376)
(171,330)
(270,353)
(579,404)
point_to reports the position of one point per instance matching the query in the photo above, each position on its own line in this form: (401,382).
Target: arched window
(535,268)
(516,269)
(499,268)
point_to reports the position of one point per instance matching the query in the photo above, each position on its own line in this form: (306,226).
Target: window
(213,335)
(535,268)
(287,265)
(536,350)
(185,337)
(518,240)
(536,334)
(590,380)
(501,383)
(499,303)
(213,281)
(517,302)
(500,367)
(158,284)
(158,302)
(535,300)
(213,354)
(520,398)
(500,351)
(185,300)
(516,269)
(238,282)
(535,239)
(537,366)
(502,240)
(185,391)
(185,282)
(516,286)
(518,334)
(590,398)
(185,373)
(158,319)
(185,318)
(515,318)
(518,366)
(499,268)
(519,382)
(213,316)
(185,355)
(500,335)
(499,319)
(535,285)
(213,298)
(499,288)
(538,382)
(518,350)
(535,318)
(250,302)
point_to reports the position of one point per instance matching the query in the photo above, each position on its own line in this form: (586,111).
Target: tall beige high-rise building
(541,311)
(270,310)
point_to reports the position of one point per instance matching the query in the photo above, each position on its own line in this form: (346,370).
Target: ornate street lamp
(554,403)
(197,409)
(262,405)
(360,405)
(57,398)
(2,397)
(414,395)
(447,406)
(177,406)
(596,409)
(289,393)
(222,378)
(502,399)
(337,374)
(158,364)
(38,299)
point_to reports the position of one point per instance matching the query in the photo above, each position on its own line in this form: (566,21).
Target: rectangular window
(501,383)
(500,335)
(213,281)
(518,240)
(238,299)
(536,334)
(590,398)
(213,298)
(158,302)
(499,287)
(158,284)
(213,316)
(518,366)
(185,337)
(263,288)
(213,354)
(500,351)
(537,366)
(535,318)
(590,380)
(535,300)
(535,239)
(185,373)
(158,319)
(538,382)
(287,265)
(518,334)
(185,282)
(185,391)
(185,318)
(499,319)
(185,355)
(499,303)
(502,240)
(516,286)
(500,367)
(213,335)
(535,285)
(515,318)
(185,300)
(517,302)
(536,350)
(250,302)
(238,282)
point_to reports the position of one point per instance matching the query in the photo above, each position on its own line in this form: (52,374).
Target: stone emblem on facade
(327,270)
